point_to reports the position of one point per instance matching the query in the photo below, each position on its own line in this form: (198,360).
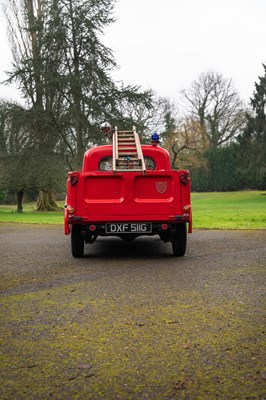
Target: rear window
(150,164)
(106,164)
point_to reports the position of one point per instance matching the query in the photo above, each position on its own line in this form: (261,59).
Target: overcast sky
(165,44)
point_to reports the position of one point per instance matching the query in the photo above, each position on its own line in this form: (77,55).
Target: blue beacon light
(155,138)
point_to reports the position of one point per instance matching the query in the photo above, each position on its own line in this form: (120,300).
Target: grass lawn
(228,210)
(30,215)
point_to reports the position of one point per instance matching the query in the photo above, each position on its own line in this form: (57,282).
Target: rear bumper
(164,229)
(100,225)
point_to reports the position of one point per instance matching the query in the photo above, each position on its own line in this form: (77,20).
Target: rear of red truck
(128,203)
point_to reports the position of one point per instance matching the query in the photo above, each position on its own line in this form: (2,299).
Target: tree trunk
(19,203)
(174,157)
(46,202)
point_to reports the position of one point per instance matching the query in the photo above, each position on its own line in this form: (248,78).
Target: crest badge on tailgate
(161,187)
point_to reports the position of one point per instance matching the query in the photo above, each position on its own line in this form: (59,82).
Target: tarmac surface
(129,320)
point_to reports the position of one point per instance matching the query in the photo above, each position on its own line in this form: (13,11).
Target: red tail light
(187,208)
(164,227)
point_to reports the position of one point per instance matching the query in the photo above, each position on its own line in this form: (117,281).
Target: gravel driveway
(129,320)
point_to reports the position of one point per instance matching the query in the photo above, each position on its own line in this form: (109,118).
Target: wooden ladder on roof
(127,152)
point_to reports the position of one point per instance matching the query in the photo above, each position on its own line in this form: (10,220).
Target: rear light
(184,178)
(186,208)
(92,228)
(70,210)
(164,227)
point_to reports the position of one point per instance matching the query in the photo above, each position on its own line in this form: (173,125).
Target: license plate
(139,227)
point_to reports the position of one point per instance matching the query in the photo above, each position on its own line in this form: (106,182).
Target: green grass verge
(30,215)
(228,210)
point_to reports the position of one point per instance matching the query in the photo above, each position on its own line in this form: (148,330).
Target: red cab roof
(93,156)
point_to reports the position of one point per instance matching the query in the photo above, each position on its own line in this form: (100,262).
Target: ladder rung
(123,160)
(120,162)
(126,144)
(122,153)
(128,163)
(131,159)
(123,147)
(129,169)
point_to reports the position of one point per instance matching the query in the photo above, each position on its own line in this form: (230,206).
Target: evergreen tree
(22,165)
(63,72)
(252,144)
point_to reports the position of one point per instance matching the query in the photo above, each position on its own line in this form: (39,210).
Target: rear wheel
(77,241)
(179,240)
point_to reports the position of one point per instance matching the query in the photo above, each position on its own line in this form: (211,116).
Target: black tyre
(77,241)
(179,240)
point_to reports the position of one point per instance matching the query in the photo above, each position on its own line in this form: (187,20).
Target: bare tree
(213,101)
(186,143)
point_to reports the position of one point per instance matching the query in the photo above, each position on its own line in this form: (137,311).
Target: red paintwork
(105,196)
(93,156)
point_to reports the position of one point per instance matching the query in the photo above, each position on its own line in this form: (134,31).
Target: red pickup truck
(126,189)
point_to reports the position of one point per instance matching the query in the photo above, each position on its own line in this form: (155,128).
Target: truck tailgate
(129,196)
